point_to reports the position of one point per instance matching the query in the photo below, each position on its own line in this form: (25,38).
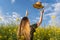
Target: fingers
(42,11)
(26,13)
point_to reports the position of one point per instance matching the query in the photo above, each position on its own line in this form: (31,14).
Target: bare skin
(41,18)
(26,13)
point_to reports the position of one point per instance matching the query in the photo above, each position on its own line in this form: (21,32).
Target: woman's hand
(42,11)
(26,13)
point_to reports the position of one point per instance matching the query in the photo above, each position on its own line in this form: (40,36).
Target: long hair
(24,28)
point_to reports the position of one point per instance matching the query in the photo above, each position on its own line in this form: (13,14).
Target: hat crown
(39,3)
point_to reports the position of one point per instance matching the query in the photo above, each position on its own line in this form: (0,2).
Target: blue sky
(12,9)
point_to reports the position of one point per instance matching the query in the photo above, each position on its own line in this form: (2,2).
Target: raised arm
(41,18)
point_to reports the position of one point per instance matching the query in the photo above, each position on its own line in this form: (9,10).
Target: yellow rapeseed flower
(51,38)
(14,30)
(37,30)
(9,29)
(42,29)
(0,36)
(21,37)
(17,19)
(34,33)
(49,32)
(57,31)
(38,39)
(10,39)
(10,32)
(53,17)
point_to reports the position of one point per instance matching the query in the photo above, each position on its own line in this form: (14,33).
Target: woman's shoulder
(33,25)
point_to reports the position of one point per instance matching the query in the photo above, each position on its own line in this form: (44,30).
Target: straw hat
(38,5)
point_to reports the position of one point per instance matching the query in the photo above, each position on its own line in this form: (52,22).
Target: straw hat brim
(38,6)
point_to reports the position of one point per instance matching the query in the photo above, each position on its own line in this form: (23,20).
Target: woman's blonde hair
(24,28)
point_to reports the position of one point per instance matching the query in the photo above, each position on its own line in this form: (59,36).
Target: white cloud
(57,7)
(1,16)
(12,1)
(37,17)
(44,18)
(34,21)
(9,17)
(56,12)
(15,14)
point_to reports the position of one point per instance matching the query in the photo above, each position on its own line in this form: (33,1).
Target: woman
(26,30)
